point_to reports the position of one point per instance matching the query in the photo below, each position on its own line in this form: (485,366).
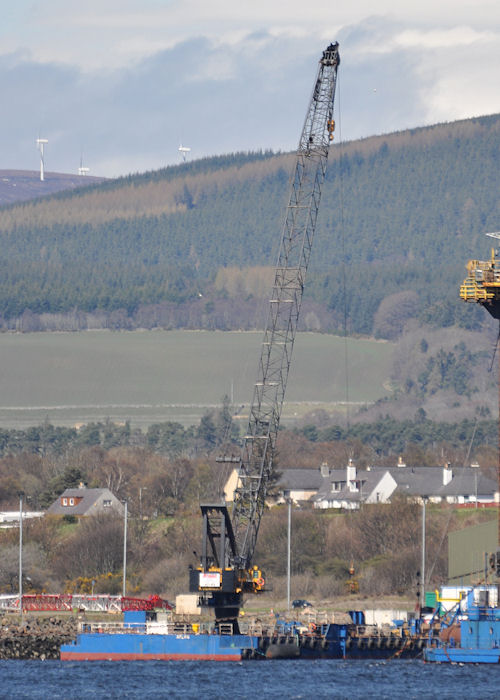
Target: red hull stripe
(100,656)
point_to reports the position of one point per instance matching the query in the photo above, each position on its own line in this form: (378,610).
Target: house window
(72,501)
(336,486)
(107,503)
(65,501)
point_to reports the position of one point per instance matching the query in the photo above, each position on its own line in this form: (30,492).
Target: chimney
(351,476)
(447,474)
(324,470)
(81,485)
(400,462)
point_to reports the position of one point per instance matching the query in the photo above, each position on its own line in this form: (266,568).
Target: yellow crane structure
(482,286)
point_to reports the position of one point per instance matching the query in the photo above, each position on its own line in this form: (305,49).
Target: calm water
(269,679)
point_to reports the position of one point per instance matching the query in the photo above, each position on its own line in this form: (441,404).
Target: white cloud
(96,35)
(444,38)
(225,76)
(464,84)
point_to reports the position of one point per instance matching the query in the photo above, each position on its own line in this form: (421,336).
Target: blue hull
(454,655)
(136,644)
(478,641)
(168,647)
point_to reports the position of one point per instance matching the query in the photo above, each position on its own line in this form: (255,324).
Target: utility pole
(141,489)
(289,558)
(124,584)
(422,580)
(21,553)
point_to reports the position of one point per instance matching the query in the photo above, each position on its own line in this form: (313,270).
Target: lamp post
(422,580)
(124,584)
(21,553)
(288,557)
(141,489)
(475,466)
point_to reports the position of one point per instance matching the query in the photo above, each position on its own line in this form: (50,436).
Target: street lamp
(475,466)
(288,553)
(141,489)
(124,583)
(422,580)
(21,494)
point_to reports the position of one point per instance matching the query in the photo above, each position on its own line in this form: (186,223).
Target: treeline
(400,213)
(388,436)
(169,438)
(42,462)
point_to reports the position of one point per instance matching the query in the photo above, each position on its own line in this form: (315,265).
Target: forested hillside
(400,215)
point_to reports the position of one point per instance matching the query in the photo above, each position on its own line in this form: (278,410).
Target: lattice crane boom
(256,462)
(229,539)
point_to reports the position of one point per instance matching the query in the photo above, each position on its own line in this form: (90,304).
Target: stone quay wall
(35,638)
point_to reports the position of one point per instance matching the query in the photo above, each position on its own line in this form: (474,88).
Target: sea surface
(253,680)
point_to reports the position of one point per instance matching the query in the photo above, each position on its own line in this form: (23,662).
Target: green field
(150,376)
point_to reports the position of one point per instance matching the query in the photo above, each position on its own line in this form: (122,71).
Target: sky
(119,85)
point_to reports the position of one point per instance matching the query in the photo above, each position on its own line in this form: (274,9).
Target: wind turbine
(83,170)
(40,144)
(184,150)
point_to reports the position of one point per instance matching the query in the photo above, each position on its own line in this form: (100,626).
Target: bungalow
(348,488)
(83,502)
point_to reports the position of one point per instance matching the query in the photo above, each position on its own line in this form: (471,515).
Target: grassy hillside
(149,377)
(400,213)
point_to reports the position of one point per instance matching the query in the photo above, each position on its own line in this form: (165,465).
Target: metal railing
(85,603)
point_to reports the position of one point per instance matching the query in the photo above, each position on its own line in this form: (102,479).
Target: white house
(347,488)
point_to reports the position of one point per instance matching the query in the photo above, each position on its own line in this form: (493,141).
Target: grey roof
(428,481)
(300,480)
(89,498)
(411,481)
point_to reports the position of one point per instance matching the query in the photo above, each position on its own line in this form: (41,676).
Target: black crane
(229,540)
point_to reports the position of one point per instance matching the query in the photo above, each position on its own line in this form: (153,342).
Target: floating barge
(157,636)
